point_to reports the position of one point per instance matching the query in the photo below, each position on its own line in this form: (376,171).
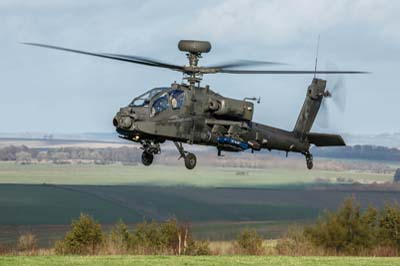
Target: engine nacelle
(232,108)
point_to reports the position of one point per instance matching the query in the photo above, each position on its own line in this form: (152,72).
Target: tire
(190,161)
(147,158)
(309,162)
(310,165)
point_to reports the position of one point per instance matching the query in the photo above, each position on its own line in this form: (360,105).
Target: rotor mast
(193,77)
(192,73)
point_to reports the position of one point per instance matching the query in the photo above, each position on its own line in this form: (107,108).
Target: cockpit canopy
(174,98)
(160,99)
(145,98)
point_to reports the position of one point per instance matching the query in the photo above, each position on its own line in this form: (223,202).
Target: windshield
(144,99)
(160,104)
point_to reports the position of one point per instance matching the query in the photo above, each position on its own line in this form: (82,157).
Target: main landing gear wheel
(309,161)
(147,158)
(190,161)
(190,158)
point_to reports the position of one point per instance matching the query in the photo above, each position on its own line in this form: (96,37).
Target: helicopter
(190,113)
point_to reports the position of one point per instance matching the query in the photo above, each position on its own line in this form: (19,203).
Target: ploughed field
(57,204)
(201,260)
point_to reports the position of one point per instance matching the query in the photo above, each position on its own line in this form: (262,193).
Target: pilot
(176,99)
(174,102)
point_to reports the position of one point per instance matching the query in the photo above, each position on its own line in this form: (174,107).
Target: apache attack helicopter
(195,114)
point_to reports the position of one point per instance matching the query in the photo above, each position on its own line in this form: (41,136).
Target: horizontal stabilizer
(319,139)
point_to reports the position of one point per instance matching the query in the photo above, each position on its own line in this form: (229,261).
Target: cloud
(78,93)
(276,23)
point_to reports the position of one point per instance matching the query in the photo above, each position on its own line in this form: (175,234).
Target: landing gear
(149,149)
(190,158)
(147,158)
(190,161)
(309,160)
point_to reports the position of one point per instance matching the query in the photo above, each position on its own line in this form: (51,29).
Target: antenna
(316,57)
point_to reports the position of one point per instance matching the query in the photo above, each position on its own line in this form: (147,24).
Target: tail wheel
(190,161)
(309,161)
(147,158)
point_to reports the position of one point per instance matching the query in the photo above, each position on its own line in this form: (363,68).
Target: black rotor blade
(130,59)
(148,60)
(241,63)
(288,72)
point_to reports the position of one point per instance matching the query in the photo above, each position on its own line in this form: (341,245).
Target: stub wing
(319,139)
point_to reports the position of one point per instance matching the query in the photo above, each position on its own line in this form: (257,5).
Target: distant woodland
(25,155)
(132,155)
(367,152)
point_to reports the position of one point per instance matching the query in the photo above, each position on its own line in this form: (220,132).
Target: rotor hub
(194,50)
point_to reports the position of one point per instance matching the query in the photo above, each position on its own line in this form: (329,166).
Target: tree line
(368,152)
(25,155)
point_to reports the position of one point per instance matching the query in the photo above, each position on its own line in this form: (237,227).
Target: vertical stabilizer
(312,103)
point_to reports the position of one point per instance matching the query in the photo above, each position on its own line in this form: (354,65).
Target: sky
(51,91)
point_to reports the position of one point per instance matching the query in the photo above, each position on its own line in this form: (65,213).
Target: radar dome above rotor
(196,47)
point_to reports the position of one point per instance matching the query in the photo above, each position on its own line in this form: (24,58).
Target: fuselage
(200,116)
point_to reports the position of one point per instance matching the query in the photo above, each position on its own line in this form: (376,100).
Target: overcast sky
(56,92)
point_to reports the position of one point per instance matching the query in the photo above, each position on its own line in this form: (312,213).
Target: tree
(396,177)
(42,156)
(389,224)
(23,157)
(85,237)
(60,157)
(249,242)
(121,237)
(163,238)
(348,230)
(27,242)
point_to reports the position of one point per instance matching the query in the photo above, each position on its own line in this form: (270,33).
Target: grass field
(215,213)
(58,204)
(187,261)
(218,202)
(159,175)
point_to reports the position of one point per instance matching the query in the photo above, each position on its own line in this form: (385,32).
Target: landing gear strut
(149,149)
(309,160)
(190,158)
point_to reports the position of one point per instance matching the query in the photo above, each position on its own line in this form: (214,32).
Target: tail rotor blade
(336,86)
(323,118)
(339,93)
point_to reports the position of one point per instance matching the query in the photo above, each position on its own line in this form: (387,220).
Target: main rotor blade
(130,59)
(241,63)
(148,60)
(288,72)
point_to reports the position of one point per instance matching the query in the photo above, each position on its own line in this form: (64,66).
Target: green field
(214,213)
(218,202)
(186,260)
(11,173)
(58,204)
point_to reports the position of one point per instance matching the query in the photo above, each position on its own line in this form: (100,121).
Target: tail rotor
(334,101)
